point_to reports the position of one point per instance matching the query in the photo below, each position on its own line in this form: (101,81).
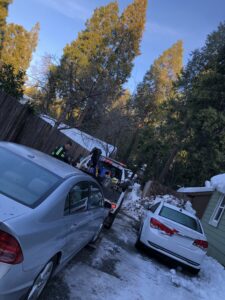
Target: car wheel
(109,221)
(41,280)
(138,243)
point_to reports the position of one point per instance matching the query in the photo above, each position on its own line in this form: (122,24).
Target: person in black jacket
(95,156)
(61,152)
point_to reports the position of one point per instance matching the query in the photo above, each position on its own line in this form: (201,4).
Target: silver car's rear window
(180,218)
(23,180)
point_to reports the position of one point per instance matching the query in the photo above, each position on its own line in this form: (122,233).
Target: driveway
(116,270)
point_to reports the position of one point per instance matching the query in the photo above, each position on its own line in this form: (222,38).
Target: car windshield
(23,180)
(180,218)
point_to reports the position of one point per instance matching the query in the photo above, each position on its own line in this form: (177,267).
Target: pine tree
(11,83)
(158,81)
(100,60)
(19,45)
(3,15)
(150,99)
(199,115)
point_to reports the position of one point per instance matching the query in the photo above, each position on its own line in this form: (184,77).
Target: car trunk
(183,235)
(10,208)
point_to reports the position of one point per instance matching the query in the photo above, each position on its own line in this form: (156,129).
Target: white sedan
(174,232)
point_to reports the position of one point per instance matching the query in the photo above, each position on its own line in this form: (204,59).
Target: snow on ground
(117,271)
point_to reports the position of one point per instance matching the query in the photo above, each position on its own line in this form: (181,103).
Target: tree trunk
(169,162)
(131,145)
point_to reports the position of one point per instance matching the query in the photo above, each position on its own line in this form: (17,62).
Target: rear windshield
(23,180)
(180,218)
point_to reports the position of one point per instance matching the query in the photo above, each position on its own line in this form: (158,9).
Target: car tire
(109,221)
(194,271)
(42,280)
(138,244)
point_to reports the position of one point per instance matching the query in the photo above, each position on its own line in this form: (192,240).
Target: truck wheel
(109,221)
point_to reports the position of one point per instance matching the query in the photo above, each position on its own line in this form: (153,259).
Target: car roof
(44,160)
(179,209)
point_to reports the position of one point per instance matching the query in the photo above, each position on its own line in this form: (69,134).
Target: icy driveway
(115,270)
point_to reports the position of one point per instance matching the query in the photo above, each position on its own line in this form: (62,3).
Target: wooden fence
(18,124)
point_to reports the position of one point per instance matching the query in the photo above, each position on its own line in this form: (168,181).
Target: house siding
(215,235)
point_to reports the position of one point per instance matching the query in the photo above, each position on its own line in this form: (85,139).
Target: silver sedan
(48,212)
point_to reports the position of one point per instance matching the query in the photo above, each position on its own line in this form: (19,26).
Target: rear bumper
(164,245)
(174,255)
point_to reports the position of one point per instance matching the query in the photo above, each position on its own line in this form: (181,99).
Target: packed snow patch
(208,285)
(118,271)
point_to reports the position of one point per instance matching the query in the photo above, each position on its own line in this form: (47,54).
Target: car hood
(9,208)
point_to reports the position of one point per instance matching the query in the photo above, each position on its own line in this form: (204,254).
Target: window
(218,212)
(180,218)
(96,198)
(23,180)
(154,207)
(77,198)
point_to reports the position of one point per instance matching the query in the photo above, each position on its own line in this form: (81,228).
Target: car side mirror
(107,204)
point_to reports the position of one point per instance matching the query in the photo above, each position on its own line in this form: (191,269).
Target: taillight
(201,244)
(158,225)
(10,250)
(113,205)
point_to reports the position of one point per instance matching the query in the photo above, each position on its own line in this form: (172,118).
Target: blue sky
(167,22)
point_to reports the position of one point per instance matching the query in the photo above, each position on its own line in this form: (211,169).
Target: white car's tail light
(160,226)
(201,244)
(10,250)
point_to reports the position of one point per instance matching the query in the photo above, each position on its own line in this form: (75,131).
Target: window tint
(96,198)
(154,207)
(23,180)
(180,218)
(77,199)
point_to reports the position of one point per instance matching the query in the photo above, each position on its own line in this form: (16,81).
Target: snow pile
(208,285)
(189,208)
(135,206)
(218,182)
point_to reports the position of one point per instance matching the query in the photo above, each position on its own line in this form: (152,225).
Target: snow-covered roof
(85,140)
(218,183)
(200,189)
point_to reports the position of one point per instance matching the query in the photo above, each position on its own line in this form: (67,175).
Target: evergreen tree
(10,82)
(199,112)
(19,45)
(95,65)
(157,85)
(149,103)
(3,15)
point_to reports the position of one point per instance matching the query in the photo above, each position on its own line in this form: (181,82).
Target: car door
(77,217)
(96,207)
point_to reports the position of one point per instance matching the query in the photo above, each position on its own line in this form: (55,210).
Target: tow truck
(114,178)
